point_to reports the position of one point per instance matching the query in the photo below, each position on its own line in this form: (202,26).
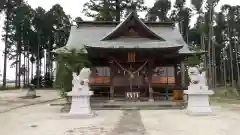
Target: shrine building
(133,56)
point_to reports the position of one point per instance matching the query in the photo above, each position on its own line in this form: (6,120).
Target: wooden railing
(163,80)
(100,80)
(105,80)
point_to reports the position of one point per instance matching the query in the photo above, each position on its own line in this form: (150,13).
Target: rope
(129,72)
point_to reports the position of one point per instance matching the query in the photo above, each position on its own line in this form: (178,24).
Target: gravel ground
(10,99)
(172,122)
(45,120)
(42,119)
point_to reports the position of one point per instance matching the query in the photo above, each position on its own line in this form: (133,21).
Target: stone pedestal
(31,94)
(151,100)
(198,100)
(80,103)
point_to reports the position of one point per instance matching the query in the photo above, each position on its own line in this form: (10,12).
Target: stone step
(152,106)
(139,108)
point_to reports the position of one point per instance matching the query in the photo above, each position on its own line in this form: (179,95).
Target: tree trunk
(237,64)
(210,47)
(20,55)
(28,67)
(118,10)
(6,46)
(40,72)
(38,62)
(24,73)
(16,70)
(214,66)
(19,68)
(32,70)
(221,70)
(231,60)
(224,68)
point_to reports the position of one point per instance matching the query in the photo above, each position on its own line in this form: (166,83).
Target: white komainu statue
(75,82)
(80,82)
(197,78)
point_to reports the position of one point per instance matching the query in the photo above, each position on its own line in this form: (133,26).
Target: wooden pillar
(177,93)
(111,81)
(150,73)
(183,81)
(177,75)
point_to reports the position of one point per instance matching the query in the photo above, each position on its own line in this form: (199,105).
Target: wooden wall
(162,75)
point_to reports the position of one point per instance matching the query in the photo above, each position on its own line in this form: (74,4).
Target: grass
(226,95)
(11,86)
(8,88)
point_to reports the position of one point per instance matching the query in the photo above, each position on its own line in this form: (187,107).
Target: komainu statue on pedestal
(80,82)
(81,94)
(197,78)
(198,93)
(84,78)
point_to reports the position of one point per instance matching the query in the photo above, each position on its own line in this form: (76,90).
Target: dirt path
(129,124)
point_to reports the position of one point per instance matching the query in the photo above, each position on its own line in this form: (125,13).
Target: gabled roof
(100,34)
(130,43)
(132,20)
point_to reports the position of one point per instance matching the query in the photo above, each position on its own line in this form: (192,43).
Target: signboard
(132,95)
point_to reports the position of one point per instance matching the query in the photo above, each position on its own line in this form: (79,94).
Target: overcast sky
(74,8)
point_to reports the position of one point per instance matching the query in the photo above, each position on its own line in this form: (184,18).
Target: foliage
(45,81)
(108,10)
(48,80)
(68,63)
(195,59)
(182,15)
(9,8)
(159,11)
(197,5)
(33,34)
(38,79)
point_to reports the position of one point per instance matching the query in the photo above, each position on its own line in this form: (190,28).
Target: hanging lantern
(131,57)
(131,76)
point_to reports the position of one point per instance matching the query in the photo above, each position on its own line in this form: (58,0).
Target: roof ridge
(130,16)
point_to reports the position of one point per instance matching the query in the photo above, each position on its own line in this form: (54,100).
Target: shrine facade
(132,58)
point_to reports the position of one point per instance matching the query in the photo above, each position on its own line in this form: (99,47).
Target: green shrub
(67,63)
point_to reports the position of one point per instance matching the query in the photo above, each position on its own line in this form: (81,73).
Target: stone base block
(111,101)
(31,94)
(81,111)
(150,100)
(80,106)
(79,116)
(199,111)
(198,101)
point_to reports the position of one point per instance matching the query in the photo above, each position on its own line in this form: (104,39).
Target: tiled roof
(91,36)
(131,17)
(173,35)
(134,43)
